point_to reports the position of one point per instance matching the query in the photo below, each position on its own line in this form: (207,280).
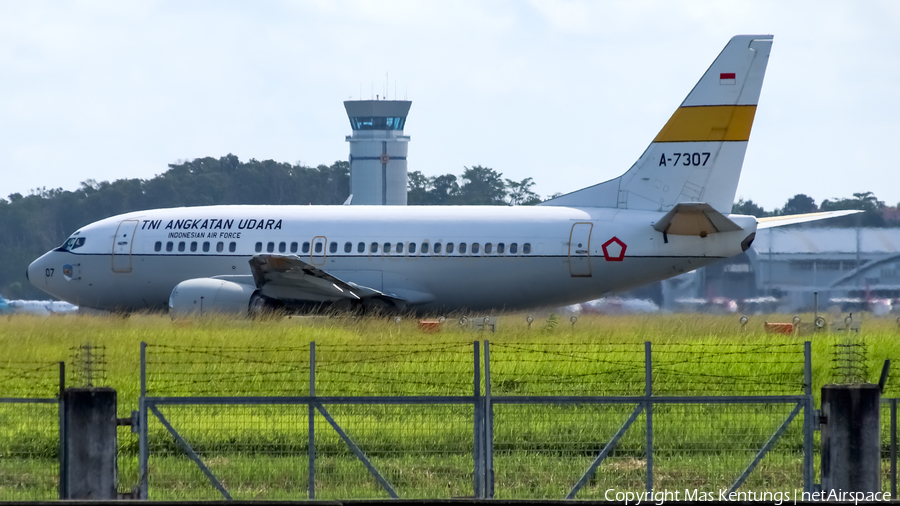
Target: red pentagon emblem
(614,250)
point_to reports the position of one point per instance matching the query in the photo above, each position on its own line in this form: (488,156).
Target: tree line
(35,223)
(875,212)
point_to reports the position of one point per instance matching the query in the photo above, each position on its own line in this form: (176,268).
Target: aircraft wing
(287,277)
(780,221)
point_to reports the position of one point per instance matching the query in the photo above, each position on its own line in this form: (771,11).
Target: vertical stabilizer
(698,154)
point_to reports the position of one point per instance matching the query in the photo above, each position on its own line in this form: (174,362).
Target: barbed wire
(849,363)
(29,379)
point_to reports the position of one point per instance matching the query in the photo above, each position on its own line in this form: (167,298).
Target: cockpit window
(73,243)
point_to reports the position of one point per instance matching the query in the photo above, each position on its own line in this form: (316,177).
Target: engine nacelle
(203,296)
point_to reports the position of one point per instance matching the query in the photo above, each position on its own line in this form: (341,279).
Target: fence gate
(437,420)
(637,442)
(321,447)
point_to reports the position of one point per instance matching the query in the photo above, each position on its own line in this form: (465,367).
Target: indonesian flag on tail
(727,78)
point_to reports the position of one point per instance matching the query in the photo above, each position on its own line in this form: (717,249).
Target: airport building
(378,151)
(850,268)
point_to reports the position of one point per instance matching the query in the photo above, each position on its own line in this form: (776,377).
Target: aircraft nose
(36,269)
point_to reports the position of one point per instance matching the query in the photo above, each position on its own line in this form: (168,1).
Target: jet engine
(203,296)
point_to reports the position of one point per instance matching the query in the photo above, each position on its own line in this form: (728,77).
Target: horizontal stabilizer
(780,221)
(696,218)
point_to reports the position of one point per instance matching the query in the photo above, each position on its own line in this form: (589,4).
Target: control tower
(378,151)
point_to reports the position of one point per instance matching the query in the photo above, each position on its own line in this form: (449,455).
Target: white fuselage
(562,255)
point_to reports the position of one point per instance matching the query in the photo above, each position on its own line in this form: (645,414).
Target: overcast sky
(566,92)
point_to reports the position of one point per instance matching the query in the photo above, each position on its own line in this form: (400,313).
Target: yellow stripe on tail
(708,123)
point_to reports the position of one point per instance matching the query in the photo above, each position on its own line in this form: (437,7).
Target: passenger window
(475,248)
(387,247)
(157,246)
(412,247)
(462,248)
(332,248)
(449,248)
(169,246)
(258,247)
(500,248)
(293,247)
(180,245)
(232,247)
(318,247)
(193,246)
(348,247)
(437,248)
(513,248)
(399,247)
(270,247)
(306,247)
(424,247)
(206,246)
(487,248)
(282,247)
(220,246)
(373,248)
(526,248)
(361,247)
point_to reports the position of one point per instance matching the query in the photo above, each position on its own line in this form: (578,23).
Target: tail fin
(698,154)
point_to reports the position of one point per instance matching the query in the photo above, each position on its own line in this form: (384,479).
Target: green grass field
(425,451)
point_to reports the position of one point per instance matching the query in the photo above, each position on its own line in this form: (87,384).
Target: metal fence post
(648,410)
(809,425)
(893,447)
(143,452)
(63,460)
(312,422)
(488,424)
(478,434)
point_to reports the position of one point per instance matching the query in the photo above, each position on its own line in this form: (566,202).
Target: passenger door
(121,252)
(580,250)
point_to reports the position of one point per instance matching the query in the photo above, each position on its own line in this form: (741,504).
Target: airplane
(38,307)
(668,214)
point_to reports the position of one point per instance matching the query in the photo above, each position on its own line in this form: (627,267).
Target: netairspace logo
(660,497)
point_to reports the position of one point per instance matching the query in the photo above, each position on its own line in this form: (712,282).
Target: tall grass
(426,451)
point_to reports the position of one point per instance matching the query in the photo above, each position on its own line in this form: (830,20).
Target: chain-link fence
(29,430)
(505,420)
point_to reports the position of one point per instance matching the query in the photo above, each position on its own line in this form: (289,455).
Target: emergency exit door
(317,253)
(121,252)
(580,250)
